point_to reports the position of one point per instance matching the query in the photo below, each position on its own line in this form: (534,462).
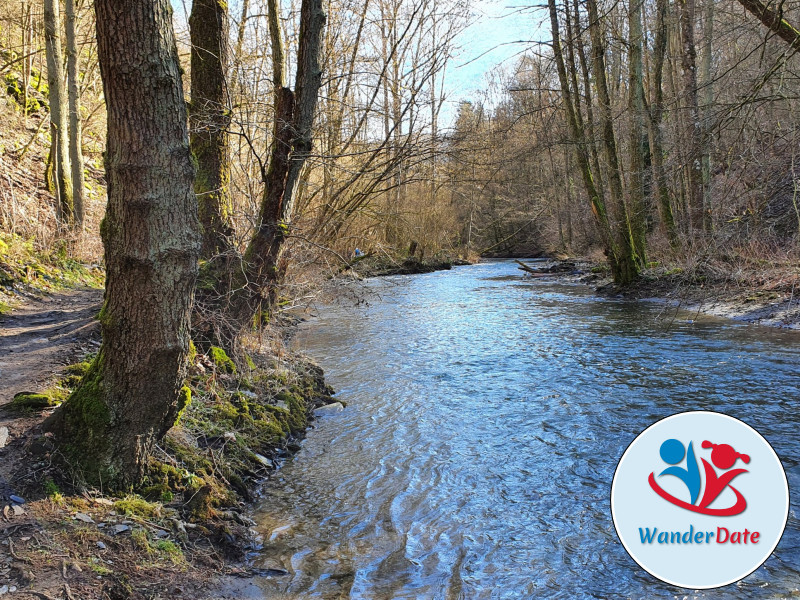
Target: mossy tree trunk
(625,266)
(59,149)
(132,393)
(774,19)
(209,118)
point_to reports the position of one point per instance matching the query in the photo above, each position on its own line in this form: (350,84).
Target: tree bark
(209,119)
(307,84)
(627,269)
(579,137)
(707,99)
(692,125)
(291,146)
(132,392)
(587,93)
(75,119)
(62,174)
(774,21)
(638,138)
(654,124)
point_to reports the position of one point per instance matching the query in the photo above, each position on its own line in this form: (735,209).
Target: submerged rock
(329,409)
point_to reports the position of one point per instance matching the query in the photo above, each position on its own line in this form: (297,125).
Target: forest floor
(61,542)
(761,296)
(50,546)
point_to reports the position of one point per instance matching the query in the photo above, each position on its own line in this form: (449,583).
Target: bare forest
(212,166)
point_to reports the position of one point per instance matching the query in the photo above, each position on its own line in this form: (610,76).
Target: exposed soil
(58,541)
(44,335)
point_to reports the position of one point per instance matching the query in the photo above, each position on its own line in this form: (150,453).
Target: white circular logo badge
(699,500)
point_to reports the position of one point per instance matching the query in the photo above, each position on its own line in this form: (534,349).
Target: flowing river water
(485,416)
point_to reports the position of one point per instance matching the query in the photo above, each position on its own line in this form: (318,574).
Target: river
(485,416)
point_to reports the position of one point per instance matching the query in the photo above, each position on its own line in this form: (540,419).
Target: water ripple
(485,417)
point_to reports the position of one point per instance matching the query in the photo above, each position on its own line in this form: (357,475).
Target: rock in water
(264,461)
(329,409)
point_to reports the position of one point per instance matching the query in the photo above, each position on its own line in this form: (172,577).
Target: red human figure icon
(724,457)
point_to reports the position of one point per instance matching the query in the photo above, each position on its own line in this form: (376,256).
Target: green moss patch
(136,506)
(230,432)
(33,400)
(26,266)
(221,360)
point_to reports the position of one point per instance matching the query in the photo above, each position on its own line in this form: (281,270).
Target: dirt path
(42,336)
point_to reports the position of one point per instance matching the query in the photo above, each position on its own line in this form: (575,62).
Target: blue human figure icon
(672,453)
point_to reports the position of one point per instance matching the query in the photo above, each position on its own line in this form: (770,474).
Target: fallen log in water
(531,271)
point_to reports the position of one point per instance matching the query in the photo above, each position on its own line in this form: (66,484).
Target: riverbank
(758,295)
(384,265)
(187,526)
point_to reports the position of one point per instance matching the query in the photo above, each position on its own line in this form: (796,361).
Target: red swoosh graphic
(736,509)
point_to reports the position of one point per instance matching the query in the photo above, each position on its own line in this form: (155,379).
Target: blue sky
(500,31)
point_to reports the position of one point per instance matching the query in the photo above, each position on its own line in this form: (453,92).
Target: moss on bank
(32,400)
(233,429)
(24,266)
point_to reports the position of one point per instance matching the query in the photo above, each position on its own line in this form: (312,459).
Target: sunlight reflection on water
(485,417)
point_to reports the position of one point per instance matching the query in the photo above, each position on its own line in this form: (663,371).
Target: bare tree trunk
(292,144)
(774,21)
(579,137)
(240,31)
(706,108)
(132,393)
(209,119)
(62,174)
(626,258)
(27,45)
(576,38)
(692,125)
(638,137)
(307,84)
(75,119)
(654,124)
